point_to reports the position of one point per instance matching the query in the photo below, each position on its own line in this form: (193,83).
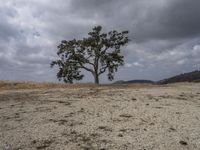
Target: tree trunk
(96,75)
(96,78)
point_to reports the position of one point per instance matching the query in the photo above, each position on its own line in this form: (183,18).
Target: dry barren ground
(102,118)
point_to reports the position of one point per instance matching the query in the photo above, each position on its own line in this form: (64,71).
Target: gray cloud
(165,35)
(8,30)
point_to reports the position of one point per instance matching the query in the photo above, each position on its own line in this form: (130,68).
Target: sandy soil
(103,118)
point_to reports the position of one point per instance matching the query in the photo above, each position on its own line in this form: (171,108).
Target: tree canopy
(98,53)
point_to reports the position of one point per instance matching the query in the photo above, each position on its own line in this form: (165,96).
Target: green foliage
(98,53)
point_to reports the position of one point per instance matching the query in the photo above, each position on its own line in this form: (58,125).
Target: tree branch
(82,66)
(106,48)
(102,70)
(88,62)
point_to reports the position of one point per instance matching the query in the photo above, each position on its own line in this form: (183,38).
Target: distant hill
(134,81)
(193,76)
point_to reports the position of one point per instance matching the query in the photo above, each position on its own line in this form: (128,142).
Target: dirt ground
(101,118)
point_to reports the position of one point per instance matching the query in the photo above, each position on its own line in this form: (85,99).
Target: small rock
(134,99)
(102,127)
(34,141)
(126,115)
(183,142)
(123,130)
(172,129)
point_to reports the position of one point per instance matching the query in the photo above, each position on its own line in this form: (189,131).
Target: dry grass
(13,85)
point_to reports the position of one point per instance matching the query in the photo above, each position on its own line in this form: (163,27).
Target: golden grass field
(49,116)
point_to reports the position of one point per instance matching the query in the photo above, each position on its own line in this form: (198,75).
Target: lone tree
(98,53)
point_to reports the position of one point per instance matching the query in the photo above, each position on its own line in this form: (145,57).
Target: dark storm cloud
(146,19)
(177,19)
(165,34)
(182,18)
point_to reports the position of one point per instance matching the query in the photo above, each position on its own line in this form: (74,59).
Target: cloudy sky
(165,35)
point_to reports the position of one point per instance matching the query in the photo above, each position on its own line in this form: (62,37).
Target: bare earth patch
(102,118)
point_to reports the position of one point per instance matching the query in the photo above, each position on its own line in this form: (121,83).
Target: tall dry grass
(13,85)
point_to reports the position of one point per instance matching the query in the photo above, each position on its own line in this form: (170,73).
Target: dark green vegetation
(98,53)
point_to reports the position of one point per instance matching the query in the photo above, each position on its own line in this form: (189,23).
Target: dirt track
(148,118)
